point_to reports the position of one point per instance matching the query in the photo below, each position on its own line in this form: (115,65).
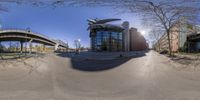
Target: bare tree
(77,44)
(166,14)
(155,35)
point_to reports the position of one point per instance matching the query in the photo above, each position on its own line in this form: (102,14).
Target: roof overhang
(101,21)
(106,27)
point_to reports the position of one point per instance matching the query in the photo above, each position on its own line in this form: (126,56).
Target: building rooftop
(97,24)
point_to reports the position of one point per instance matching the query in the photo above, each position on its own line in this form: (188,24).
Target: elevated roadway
(28,36)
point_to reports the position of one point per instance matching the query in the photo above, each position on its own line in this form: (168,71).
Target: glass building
(113,38)
(107,41)
(106,37)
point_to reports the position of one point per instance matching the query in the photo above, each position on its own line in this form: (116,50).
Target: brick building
(179,38)
(137,40)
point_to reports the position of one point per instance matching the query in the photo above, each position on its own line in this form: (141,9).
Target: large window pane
(107,41)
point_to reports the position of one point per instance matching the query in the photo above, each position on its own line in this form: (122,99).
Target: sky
(64,23)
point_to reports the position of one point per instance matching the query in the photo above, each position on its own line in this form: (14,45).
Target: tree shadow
(17,55)
(82,63)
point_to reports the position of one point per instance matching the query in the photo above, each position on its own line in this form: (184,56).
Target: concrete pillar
(43,47)
(126,37)
(56,47)
(25,47)
(21,47)
(30,46)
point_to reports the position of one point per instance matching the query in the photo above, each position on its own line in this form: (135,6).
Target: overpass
(29,36)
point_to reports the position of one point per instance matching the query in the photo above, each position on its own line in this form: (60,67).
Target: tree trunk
(169,43)
(159,46)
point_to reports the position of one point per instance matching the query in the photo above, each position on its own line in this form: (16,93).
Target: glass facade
(107,41)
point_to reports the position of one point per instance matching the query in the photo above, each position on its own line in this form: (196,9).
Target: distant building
(184,36)
(110,37)
(137,41)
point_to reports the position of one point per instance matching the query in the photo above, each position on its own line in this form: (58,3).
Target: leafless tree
(77,44)
(166,14)
(155,35)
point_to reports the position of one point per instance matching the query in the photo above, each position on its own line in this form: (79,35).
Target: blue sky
(64,23)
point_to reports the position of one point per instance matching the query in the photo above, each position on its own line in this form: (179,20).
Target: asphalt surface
(147,77)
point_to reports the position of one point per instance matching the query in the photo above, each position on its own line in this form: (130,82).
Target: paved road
(148,77)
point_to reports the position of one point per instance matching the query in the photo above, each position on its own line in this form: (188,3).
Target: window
(107,41)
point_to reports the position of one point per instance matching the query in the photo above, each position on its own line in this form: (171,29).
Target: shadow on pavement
(83,63)
(14,56)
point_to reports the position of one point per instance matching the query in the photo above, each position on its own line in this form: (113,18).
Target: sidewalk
(187,61)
